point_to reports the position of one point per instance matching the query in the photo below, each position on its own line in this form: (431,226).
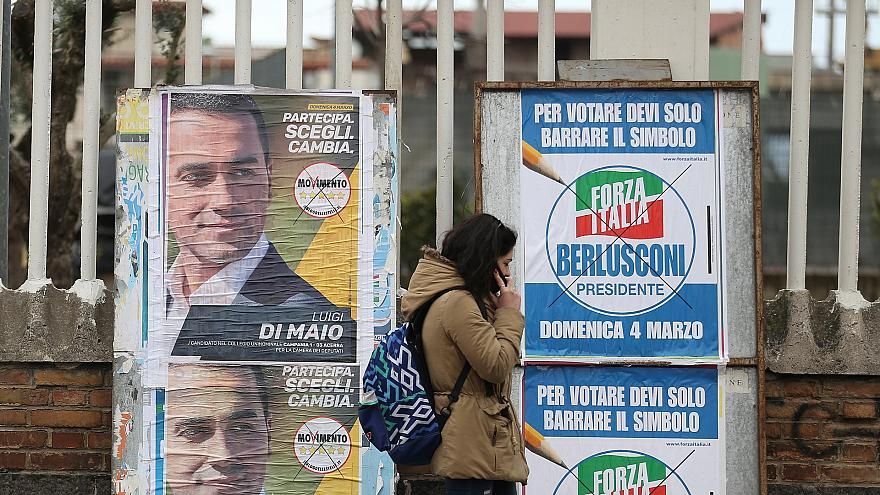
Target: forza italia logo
(620,240)
(613,474)
(624,204)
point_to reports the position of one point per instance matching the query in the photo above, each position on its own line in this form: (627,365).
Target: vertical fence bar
(547,40)
(445,88)
(832,17)
(193,65)
(91,118)
(851,148)
(495,40)
(293,67)
(40,119)
(242,41)
(796,269)
(5,62)
(343,43)
(751,42)
(394,47)
(143,43)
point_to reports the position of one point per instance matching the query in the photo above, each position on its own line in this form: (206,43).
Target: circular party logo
(322,190)
(622,471)
(322,445)
(620,240)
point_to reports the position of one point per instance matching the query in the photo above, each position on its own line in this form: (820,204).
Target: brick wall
(55,420)
(823,434)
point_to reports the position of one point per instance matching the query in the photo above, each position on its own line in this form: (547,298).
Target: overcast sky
(269,18)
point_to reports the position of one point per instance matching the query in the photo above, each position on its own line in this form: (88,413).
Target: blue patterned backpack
(397,407)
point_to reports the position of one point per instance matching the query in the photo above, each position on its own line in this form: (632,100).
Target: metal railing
(751,43)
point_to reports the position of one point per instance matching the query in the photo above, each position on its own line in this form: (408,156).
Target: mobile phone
(493,284)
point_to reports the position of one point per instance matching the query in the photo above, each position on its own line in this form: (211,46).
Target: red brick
(801,389)
(773,389)
(817,410)
(12,460)
(771,472)
(9,417)
(101,398)
(74,376)
(851,474)
(24,396)
(799,472)
(66,418)
(100,440)
(63,397)
(794,451)
(22,438)
(67,440)
(106,420)
(14,376)
(856,431)
(860,410)
(778,409)
(773,430)
(67,461)
(863,388)
(802,430)
(859,453)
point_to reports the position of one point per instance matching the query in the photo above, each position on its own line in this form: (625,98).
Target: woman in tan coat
(482,448)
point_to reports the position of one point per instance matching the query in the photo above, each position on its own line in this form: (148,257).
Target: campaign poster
(255,221)
(262,429)
(261,239)
(386,190)
(132,186)
(623,430)
(622,218)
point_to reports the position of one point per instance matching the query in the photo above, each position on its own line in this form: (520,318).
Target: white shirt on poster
(222,289)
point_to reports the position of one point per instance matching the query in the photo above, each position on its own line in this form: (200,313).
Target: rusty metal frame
(758,362)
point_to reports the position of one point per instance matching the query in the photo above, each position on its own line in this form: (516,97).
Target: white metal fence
(800,106)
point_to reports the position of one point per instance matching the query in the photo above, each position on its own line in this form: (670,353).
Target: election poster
(386,174)
(251,220)
(262,428)
(623,430)
(264,240)
(622,218)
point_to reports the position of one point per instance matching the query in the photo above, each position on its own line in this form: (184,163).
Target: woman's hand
(506,297)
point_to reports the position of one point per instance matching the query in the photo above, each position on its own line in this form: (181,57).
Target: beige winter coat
(482,438)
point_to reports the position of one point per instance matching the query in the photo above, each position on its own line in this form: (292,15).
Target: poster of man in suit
(258,201)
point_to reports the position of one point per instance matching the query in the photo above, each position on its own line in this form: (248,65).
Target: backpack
(397,406)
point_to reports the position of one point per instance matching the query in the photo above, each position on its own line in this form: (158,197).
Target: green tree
(418,225)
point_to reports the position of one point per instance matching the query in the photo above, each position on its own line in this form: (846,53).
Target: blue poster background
(694,302)
(697,301)
(705,129)
(567,376)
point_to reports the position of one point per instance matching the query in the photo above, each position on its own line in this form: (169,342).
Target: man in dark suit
(229,289)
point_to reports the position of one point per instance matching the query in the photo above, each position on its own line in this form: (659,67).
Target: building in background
(823,197)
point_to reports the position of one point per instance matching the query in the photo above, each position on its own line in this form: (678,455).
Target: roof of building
(524,24)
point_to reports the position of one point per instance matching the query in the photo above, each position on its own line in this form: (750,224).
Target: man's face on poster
(218,184)
(217,432)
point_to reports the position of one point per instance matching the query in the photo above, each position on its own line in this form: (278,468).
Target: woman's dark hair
(474,245)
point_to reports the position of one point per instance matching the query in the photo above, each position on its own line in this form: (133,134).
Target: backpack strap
(466,369)
(459,384)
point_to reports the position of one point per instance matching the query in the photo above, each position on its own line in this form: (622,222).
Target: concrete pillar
(677,30)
